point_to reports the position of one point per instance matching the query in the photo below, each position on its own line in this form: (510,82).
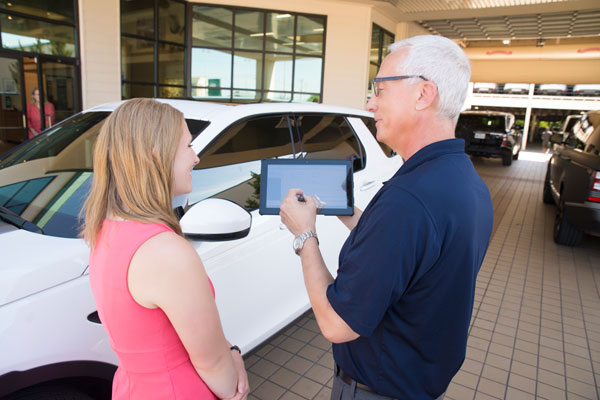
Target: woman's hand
(243,388)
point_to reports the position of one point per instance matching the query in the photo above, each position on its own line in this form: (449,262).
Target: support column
(526,128)
(527,116)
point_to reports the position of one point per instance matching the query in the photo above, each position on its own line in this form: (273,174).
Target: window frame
(381,51)
(262,92)
(156,85)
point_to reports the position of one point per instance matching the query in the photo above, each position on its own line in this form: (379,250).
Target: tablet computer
(331,180)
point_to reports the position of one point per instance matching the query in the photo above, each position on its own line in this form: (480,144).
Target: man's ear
(427,95)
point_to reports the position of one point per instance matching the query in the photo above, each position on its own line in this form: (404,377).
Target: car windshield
(488,123)
(46,180)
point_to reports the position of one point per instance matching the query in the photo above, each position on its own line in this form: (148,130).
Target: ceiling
(477,20)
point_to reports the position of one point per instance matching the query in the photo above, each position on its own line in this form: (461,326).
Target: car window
(489,123)
(327,136)
(229,167)
(370,124)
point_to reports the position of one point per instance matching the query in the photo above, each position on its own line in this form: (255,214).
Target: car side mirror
(216,220)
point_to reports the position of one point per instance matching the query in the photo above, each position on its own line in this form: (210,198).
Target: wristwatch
(301,238)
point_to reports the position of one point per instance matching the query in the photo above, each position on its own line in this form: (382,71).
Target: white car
(516,88)
(51,340)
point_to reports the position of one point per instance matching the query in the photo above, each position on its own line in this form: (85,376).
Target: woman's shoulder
(167,246)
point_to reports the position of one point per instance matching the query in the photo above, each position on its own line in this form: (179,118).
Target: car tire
(564,232)
(49,392)
(506,157)
(547,195)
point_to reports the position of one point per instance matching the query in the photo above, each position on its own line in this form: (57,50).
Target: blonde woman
(154,297)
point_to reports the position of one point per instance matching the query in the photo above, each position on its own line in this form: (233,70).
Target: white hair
(441,61)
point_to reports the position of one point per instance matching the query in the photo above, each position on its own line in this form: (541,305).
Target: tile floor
(535,330)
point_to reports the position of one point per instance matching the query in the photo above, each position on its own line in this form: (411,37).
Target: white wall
(100,44)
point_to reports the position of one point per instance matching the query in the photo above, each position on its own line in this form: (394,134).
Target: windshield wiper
(18,221)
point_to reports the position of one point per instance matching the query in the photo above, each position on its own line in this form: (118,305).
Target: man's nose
(371,104)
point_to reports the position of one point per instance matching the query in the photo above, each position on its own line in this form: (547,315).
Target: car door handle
(367,185)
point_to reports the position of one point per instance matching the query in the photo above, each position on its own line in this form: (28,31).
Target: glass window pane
(59,92)
(307,76)
(327,136)
(212,26)
(211,68)
(250,140)
(247,70)
(243,96)
(137,17)
(36,36)
(307,98)
(167,92)
(373,69)
(375,42)
(278,72)
(171,65)
(212,94)
(230,167)
(309,39)
(60,10)
(137,60)
(171,21)
(280,32)
(277,96)
(11,109)
(387,40)
(131,90)
(249,29)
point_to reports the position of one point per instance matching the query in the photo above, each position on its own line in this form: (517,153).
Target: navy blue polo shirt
(406,277)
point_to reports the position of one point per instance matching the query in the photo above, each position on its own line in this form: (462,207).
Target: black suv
(489,134)
(573,181)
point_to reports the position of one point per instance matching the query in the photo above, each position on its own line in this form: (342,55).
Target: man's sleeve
(396,244)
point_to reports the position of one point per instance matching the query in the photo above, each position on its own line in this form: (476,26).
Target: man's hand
(298,216)
(243,388)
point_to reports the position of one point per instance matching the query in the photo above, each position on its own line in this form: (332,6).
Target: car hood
(32,262)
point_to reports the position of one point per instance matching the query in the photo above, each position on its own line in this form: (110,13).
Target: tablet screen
(330,180)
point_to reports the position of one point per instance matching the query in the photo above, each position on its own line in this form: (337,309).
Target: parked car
(586,90)
(552,89)
(572,181)
(516,88)
(489,134)
(485,87)
(51,334)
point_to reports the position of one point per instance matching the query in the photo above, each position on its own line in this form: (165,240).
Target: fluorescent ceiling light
(318,29)
(283,16)
(261,34)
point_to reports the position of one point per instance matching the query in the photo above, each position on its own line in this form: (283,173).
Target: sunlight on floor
(534,156)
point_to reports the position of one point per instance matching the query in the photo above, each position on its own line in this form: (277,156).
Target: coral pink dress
(153,363)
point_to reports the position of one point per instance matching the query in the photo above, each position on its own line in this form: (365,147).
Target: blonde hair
(133,166)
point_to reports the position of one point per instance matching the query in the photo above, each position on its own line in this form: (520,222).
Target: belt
(348,379)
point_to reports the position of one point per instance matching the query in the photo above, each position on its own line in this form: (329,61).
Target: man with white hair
(399,309)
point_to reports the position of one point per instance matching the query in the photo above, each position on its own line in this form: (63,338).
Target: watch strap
(302,238)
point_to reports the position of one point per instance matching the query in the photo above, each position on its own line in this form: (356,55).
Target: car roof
(203,110)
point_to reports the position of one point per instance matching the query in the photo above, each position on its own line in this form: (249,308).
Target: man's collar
(430,152)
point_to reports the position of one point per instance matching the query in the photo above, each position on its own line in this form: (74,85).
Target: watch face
(297,243)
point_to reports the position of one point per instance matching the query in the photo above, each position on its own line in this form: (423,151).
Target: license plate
(480,136)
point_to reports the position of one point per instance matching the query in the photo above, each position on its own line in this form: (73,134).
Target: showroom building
(79,54)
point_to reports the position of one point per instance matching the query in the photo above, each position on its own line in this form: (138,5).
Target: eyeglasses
(376,89)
